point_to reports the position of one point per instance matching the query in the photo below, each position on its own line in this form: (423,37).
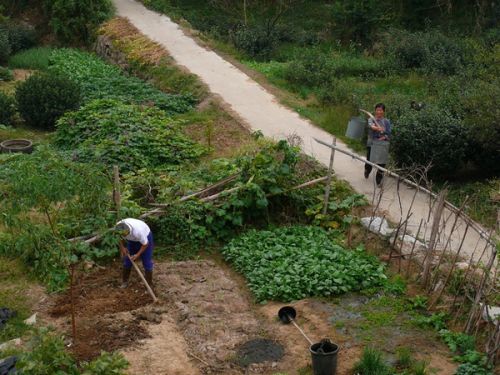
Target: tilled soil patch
(103,321)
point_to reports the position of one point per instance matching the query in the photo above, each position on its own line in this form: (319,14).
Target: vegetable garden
(237,235)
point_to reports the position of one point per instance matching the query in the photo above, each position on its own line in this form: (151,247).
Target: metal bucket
(356,128)
(379,152)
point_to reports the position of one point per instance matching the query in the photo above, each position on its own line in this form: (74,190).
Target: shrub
(43,98)
(5,49)
(296,262)
(7,109)
(430,51)
(21,37)
(336,92)
(77,21)
(255,41)
(6,74)
(430,136)
(131,136)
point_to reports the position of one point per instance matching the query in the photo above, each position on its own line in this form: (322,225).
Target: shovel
(150,291)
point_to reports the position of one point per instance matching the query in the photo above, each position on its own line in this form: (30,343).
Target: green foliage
(260,195)
(6,74)
(62,198)
(130,136)
(436,321)
(418,302)
(43,98)
(295,262)
(395,286)
(99,80)
(77,21)
(317,68)
(5,48)
(430,136)
(458,342)
(431,51)
(360,21)
(338,214)
(21,36)
(7,109)
(471,369)
(47,355)
(106,364)
(372,363)
(256,41)
(34,58)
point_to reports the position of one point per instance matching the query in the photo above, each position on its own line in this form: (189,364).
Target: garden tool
(150,291)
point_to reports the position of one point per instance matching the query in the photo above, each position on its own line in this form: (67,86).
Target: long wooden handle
(143,279)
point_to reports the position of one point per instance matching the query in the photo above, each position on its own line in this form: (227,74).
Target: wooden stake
(117,199)
(329,178)
(432,242)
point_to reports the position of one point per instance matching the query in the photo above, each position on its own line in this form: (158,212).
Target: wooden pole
(150,291)
(73,317)
(329,178)
(117,199)
(432,241)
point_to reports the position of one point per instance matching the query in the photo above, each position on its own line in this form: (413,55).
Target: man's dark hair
(380,105)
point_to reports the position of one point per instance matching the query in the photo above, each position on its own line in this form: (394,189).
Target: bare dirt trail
(260,110)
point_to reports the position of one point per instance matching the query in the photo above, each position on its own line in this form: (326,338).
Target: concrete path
(261,111)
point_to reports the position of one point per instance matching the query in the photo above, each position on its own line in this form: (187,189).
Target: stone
(405,244)
(377,225)
(31,320)
(11,343)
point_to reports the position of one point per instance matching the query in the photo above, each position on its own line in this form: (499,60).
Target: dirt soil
(102,313)
(204,317)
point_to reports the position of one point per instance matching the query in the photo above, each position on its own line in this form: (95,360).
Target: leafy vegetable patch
(300,261)
(131,136)
(99,80)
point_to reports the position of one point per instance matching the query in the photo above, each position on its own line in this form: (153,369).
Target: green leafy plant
(6,74)
(299,261)
(395,286)
(458,342)
(133,137)
(106,364)
(99,80)
(7,109)
(21,36)
(47,355)
(43,98)
(471,369)
(436,321)
(418,302)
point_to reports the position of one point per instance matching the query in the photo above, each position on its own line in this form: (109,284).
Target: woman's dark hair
(380,105)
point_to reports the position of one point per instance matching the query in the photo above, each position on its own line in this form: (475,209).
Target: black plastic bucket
(324,357)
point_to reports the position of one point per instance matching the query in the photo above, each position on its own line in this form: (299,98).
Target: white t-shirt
(139,230)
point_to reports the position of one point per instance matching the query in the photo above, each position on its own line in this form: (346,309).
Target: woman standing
(378,130)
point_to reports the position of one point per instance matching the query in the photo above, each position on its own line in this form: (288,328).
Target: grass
(371,363)
(36,136)
(13,286)
(34,58)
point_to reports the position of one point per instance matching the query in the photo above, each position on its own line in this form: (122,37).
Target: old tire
(17,145)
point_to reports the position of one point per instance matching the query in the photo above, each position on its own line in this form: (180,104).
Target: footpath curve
(260,110)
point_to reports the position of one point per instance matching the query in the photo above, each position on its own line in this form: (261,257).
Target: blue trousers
(146,257)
